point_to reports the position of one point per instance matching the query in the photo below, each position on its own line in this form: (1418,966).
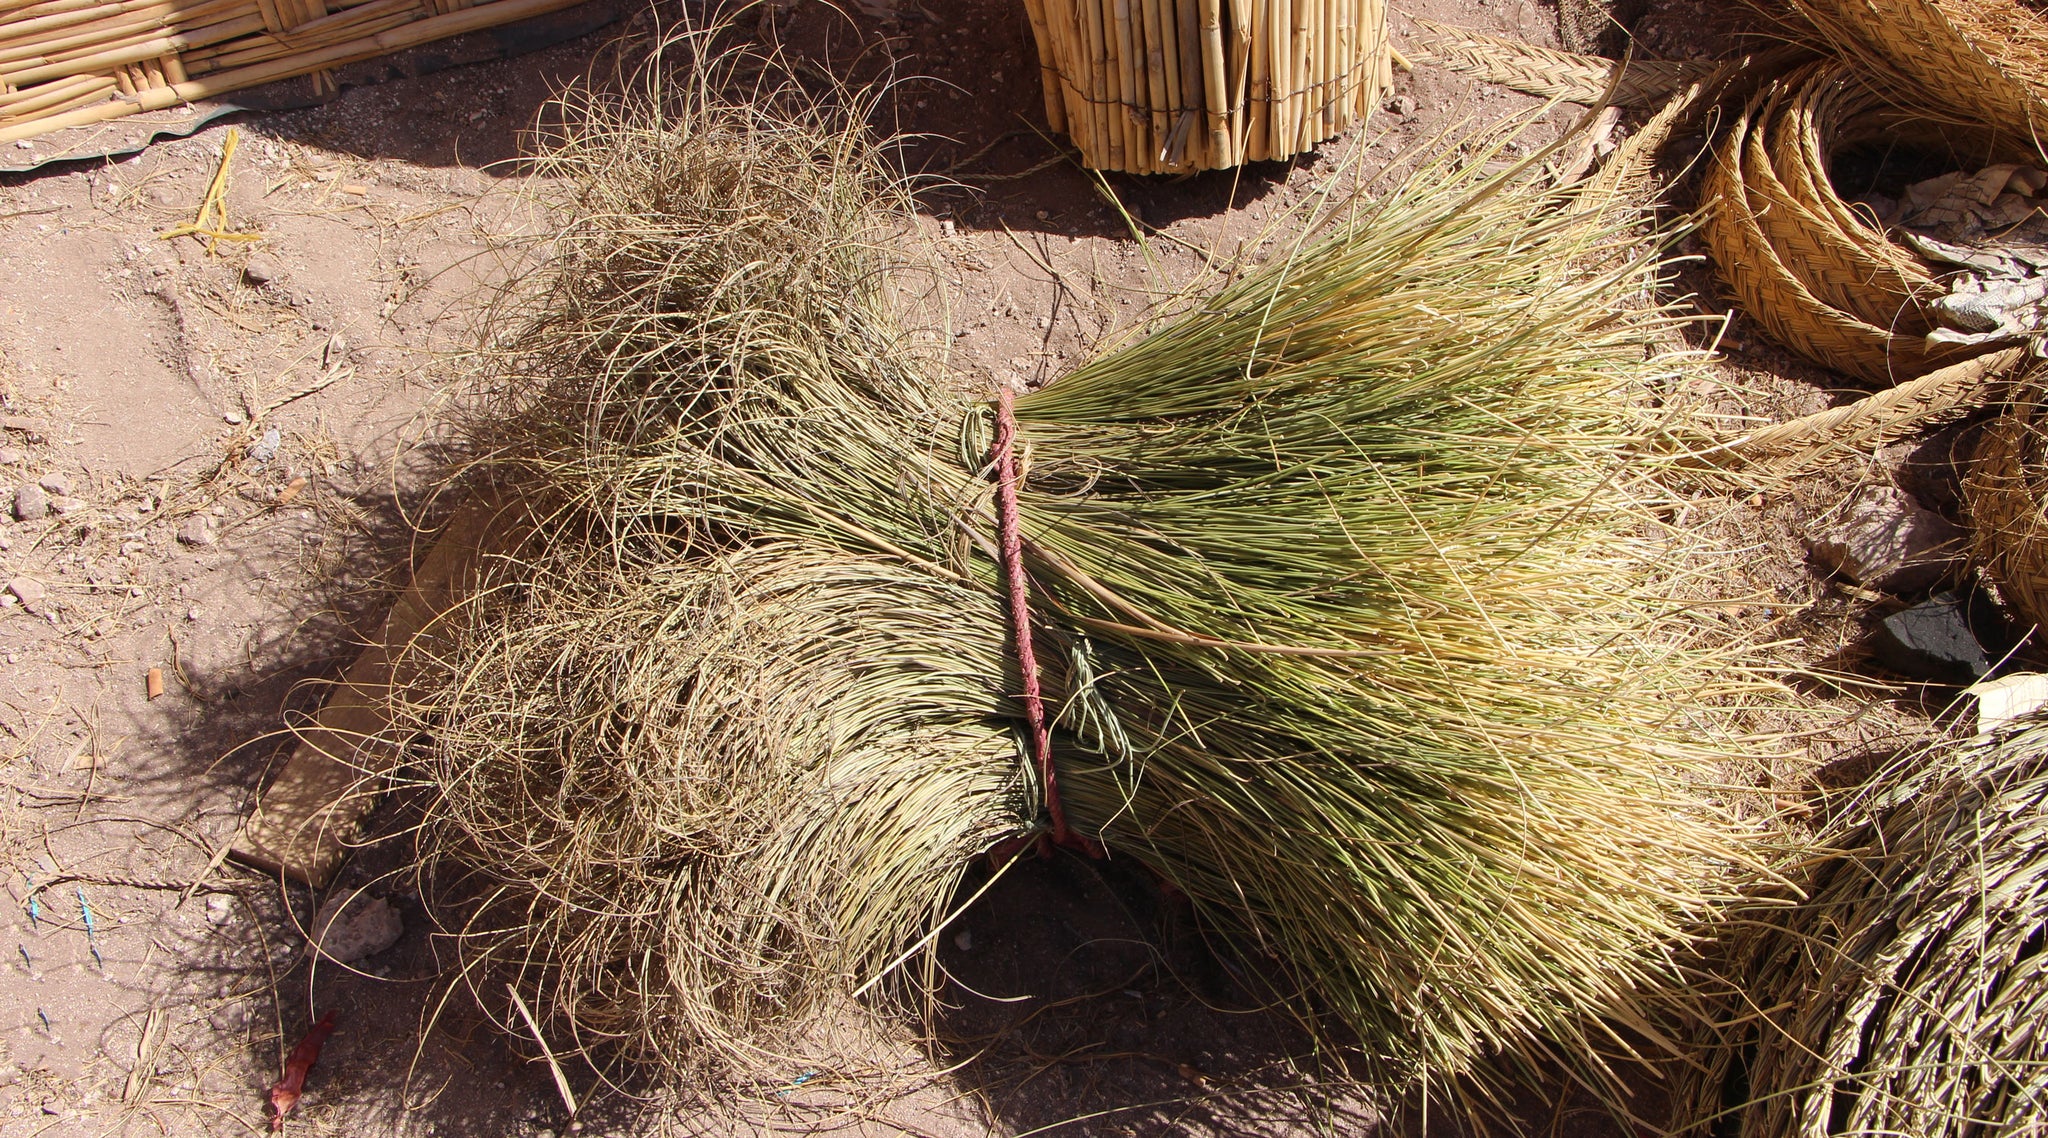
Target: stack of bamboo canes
(1166,86)
(67,63)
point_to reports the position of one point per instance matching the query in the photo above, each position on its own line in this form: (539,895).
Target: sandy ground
(237,439)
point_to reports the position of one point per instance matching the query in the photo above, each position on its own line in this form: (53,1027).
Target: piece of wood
(311,814)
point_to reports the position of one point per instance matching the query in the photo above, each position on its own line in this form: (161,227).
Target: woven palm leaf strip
(1905,994)
(1551,74)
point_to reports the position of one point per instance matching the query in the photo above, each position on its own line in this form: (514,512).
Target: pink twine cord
(1010,538)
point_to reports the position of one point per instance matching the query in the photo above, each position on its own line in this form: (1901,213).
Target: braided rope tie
(1010,539)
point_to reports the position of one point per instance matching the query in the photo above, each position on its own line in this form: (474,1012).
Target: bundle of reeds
(1336,587)
(1165,86)
(66,63)
(1904,992)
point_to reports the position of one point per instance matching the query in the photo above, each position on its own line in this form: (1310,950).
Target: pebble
(58,484)
(353,925)
(31,502)
(9,456)
(260,270)
(218,909)
(28,591)
(265,449)
(1402,105)
(60,504)
(195,531)
(235,418)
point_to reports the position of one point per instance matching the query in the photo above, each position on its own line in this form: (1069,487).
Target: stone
(2008,698)
(61,505)
(1401,105)
(30,592)
(9,456)
(31,502)
(1887,541)
(58,484)
(1932,641)
(196,531)
(353,925)
(260,271)
(265,448)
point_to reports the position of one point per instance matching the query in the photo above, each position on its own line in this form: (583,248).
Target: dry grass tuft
(1339,575)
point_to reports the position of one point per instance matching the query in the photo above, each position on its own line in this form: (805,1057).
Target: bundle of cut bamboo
(67,63)
(1166,86)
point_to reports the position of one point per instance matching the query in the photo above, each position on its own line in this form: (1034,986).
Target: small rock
(1887,541)
(219,909)
(61,505)
(260,270)
(10,1074)
(236,418)
(265,448)
(58,484)
(9,456)
(1932,641)
(964,941)
(1401,105)
(2008,698)
(353,925)
(196,531)
(31,502)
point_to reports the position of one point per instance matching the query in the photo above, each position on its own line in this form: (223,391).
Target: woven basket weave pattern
(2006,493)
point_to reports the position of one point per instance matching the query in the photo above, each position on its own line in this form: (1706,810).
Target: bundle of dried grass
(1904,992)
(1159,86)
(1337,580)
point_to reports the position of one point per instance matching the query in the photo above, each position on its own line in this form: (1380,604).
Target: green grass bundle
(1338,579)
(1904,994)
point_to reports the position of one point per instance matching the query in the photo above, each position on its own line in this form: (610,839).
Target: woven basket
(1977,60)
(1169,86)
(67,63)
(1821,276)
(2006,494)
(1906,993)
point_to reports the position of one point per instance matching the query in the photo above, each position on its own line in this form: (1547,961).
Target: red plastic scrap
(285,1095)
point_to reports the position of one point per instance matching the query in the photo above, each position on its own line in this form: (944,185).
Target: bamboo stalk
(1214,87)
(411,34)
(1048,79)
(1072,58)
(84,98)
(1126,89)
(45,96)
(1303,40)
(43,25)
(115,30)
(1258,130)
(1240,50)
(1098,83)
(1194,143)
(1172,142)
(136,52)
(124,78)
(1155,80)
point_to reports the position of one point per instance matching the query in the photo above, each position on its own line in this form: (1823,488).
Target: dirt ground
(240,441)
